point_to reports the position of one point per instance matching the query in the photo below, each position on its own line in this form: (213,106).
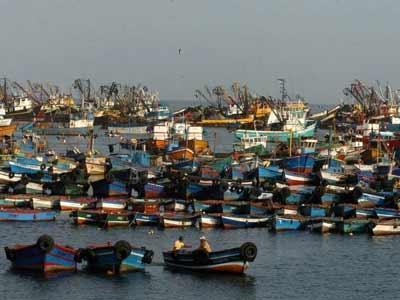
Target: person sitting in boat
(179,244)
(204,245)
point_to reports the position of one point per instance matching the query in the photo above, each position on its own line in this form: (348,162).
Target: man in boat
(204,245)
(179,244)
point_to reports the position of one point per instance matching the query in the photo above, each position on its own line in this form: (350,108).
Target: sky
(318,46)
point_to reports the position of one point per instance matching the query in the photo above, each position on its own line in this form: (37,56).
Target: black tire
(11,175)
(122,249)
(10,254)
(42,167)
(233,188)
(45,243)
(200,257)
(148,257)
(240,190)
(248,251)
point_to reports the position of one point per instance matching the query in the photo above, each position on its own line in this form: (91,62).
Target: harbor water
(296,265)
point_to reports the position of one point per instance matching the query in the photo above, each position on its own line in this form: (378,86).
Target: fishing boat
(95,165)
(116,218)
(109,187)
(27,215)
(386,227)
(244,221)
(278,136)
(178,221)
(323,225)
(44,256)
(181,154)
(7,130)
(235,260)
(87,216)
(286,223)
(387,213)
(147,218)
(115,259)
(48,202)
(351,226)
(111,204)
(7,177)
(210,220)
(294,178)
(78,203)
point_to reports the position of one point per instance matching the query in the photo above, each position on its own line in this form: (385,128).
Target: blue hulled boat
(286,223)
(33,215)
(45,256)
(244,221)
(147,218)
(115,259)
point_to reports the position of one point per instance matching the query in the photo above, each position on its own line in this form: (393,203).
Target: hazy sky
(317,45)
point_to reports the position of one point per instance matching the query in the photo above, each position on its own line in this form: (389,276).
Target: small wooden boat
(44,256)
(323,225)
(27,215)
(147,218)
(352,226)
(77,203)
(244,221)
(210,220)
(116,218)
(312,211)
(286,223)
(87,216)
(387,213)
(7,177)
(48,202)
(295,178)
(386,227)
(234,260)
(171,221)
(118,258)
(365,213)
(111,204)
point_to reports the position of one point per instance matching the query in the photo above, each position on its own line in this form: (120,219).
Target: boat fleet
(288,170)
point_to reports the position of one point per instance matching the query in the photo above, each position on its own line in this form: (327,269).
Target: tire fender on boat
(42,167)
(45,243)
(248,251)
(122,249)
(11,175)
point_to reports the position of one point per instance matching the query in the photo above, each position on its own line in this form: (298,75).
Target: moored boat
(244,221)
(179,221)
(118,258)
(234,260)
(44,256)
(27,215)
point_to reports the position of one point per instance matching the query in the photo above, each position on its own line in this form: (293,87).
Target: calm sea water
(296,265)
